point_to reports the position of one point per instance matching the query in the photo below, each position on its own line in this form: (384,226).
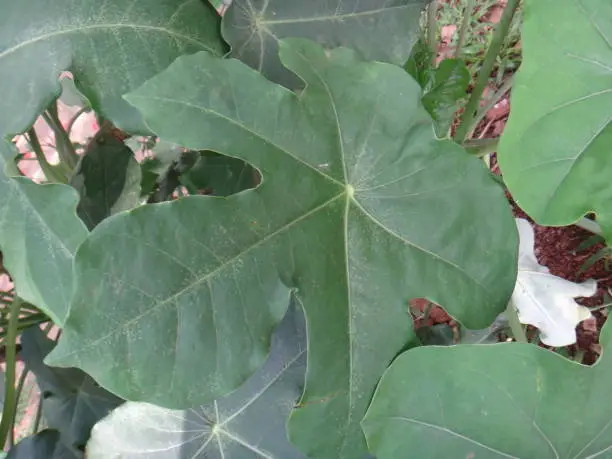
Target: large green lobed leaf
(111,47)
(249,423)
(360,209)
(383,31)
(492,401)
(555,151)
(39,235)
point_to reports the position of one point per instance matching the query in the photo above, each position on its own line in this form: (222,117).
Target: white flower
(544,300)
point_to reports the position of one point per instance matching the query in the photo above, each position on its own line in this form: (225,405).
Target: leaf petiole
(8,411)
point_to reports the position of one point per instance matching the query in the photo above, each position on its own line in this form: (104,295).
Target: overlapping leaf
(492,401)
(43,445)
(248,423)
(384,31)
(360,209)
(111,47)
(107,178)
(554,153)
(72,401)
(39,235)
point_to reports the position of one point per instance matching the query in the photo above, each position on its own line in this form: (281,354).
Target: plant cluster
(241,289)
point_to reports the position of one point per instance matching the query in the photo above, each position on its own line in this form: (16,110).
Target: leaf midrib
(336,17)
(110,27)
(207,276)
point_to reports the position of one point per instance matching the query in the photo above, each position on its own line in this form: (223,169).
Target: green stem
(24,322)
(589,225)
(8,411)
(515,324)
(20,385)
(497,41)
(64,147)
(490,104)
(432,28)
(465,26)
(481,147)
(50,172)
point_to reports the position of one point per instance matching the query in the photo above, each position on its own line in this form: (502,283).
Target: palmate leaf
(554,153)
(248,423)
(107,178)
(111,47)
(377,30)
(72,401)
(39,234)
(506,400)
(360,209)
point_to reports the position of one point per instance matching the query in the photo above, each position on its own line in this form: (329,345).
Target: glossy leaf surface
(357,212)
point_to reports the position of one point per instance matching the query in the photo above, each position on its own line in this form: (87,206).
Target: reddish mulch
(555,248)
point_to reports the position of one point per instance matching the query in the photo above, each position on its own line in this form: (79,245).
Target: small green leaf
(43,445)
(107,178)
(443,86)
(250,422)
(555,150)
(507,400)
(111,47)
(360,208)
(39,234)
(383,31)
(419,63)
(72,401)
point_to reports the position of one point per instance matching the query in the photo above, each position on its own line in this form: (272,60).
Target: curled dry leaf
(545,300)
